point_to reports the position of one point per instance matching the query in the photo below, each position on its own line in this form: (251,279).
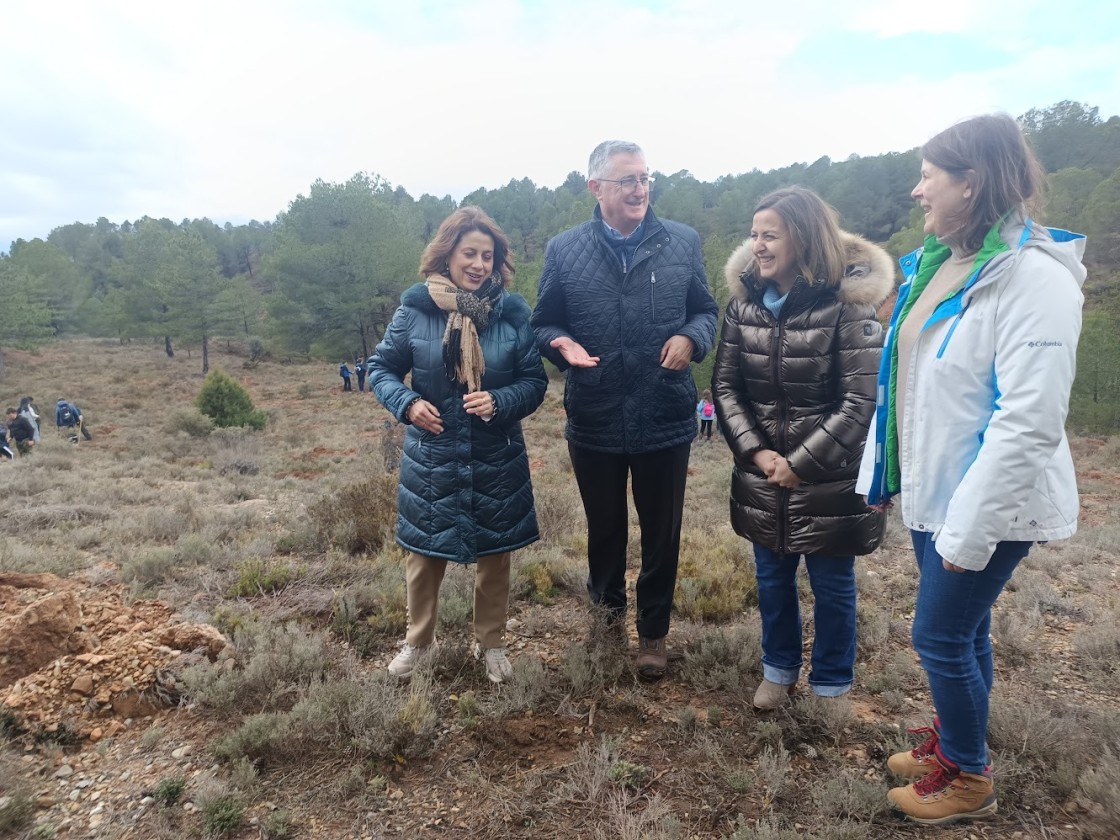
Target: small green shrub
(258,739)
(595,669)
(222,816)
(720,659)
(260,577)
(629,775)
(169,790)
(10,726)
(16,811)
(277,826)
(193,422)
(276,663)
(226,401)
(358,518)
(713,583)
(149,569)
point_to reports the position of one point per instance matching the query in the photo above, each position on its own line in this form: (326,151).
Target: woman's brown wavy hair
(452,229)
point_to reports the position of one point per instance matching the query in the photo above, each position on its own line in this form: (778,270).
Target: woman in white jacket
(970,431)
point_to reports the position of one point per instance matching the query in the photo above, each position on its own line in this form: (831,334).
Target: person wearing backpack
(706,411)
(69,417)
(360,369)
(344,372)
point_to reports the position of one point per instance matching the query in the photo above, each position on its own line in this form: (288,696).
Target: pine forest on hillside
(324,278)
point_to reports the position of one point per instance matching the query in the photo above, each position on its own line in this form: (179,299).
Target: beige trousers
(423,575)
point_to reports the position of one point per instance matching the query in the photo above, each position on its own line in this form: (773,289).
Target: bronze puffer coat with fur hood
(802,384)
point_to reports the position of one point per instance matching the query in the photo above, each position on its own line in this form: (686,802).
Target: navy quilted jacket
(628,403)
(466,492)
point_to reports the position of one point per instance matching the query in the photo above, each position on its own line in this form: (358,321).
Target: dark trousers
(658,480)
(361,382)
(346,384)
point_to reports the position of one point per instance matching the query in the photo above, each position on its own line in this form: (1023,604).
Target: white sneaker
(405,662)
(498,668)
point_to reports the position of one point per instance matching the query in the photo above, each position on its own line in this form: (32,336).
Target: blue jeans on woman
(952,627)
(833,580)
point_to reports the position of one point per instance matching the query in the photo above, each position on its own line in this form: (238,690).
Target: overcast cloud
(230,110)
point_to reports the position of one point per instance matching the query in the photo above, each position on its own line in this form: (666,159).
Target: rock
(64,772)
(191,637)
(96,734)
(83,685)
(42,632)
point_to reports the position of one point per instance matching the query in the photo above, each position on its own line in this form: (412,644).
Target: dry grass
(283,539)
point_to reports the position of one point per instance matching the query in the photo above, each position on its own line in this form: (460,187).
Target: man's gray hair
(599,164)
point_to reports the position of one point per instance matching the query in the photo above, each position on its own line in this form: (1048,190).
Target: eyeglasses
(629,182)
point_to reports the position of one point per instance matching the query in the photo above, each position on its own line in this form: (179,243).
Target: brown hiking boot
(771,695)
(653,658)
(945,796)
(919,761)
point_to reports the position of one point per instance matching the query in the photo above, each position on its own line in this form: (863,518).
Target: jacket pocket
(584,399)
(675,401)
(667,288)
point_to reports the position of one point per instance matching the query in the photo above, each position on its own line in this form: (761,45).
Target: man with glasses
(624,308)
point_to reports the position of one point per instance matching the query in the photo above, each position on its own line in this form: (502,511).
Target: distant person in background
(20,431)
(344,372)
(27,411)
(68,419)
(706,411)
(624,308)
(360,371)
(6,444)
(465,492)
(794,385)
(970,431)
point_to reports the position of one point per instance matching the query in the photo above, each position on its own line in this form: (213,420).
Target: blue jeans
(952,627)
(833,580)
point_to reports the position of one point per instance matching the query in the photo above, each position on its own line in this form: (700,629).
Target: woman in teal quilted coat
(465,493)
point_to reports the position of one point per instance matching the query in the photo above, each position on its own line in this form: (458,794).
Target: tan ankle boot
(771,695)
(946,796)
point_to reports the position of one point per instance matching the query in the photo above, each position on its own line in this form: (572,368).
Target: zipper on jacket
(776,370)
(949,334)
(653,295)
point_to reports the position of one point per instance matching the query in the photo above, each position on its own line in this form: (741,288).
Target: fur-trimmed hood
(868,279)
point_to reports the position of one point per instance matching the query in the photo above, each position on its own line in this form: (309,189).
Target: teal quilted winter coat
(466,492)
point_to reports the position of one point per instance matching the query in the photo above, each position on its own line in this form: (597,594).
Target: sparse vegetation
(169,790)
(283,539)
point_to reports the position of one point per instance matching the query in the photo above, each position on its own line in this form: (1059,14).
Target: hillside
(193,634)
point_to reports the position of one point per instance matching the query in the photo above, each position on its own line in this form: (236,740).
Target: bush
(222,817)
(169,790)
(358,518)
(276,662)
(227,403)
(193,422)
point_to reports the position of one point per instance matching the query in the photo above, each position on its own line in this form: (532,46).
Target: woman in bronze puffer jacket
(794,388)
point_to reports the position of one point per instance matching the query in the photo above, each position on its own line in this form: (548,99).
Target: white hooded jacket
(983,452)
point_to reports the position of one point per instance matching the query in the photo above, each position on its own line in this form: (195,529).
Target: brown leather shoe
(653,658)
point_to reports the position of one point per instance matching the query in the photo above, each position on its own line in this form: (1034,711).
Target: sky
(229,110)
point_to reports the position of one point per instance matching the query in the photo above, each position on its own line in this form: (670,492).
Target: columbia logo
(1044,344)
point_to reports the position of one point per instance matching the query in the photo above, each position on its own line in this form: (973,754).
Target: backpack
(66,416)
(708,411)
